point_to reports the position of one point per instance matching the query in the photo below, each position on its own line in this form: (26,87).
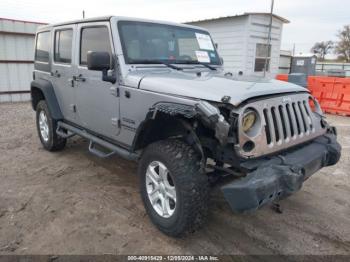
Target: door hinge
(73,108)
(115,122)
(115,91)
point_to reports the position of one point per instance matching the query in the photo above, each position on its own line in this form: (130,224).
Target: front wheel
(174,191)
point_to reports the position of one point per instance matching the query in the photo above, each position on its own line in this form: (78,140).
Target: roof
(301,55)
(286,52)
(284,20)
(22,21)
(119,18)
(85,20)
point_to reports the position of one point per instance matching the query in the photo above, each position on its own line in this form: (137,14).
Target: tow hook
(276,206)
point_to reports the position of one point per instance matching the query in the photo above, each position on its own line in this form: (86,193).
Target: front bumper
(280,176)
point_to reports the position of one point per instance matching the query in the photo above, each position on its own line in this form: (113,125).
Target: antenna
(269,37)
(294,49)
(83,14)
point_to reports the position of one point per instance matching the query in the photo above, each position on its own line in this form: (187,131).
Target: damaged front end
(278,166)
(279,176)
(212,118)
(209,115)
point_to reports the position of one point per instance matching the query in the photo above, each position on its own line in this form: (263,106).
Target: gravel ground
(72,202)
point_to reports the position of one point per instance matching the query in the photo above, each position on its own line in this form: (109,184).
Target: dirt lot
(71,202)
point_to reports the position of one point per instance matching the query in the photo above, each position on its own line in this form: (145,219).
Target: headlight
(248,120)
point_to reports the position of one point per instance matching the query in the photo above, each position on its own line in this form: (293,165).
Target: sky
(311,20)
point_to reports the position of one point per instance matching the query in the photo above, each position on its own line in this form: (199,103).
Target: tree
(343,46)
(321,49)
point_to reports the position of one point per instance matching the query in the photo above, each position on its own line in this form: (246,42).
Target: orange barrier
(283,77)
(333,93)
(341,92)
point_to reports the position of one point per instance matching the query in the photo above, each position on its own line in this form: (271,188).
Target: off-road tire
(54,142)
(192,187)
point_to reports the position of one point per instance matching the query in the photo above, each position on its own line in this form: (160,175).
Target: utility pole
(269,38)
(83,14)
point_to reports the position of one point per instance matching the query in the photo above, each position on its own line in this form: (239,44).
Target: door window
(94,39)
(63,46)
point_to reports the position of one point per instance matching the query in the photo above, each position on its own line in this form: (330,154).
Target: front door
(63,68)
(97,102)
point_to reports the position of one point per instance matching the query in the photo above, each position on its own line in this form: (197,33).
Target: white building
(16,58)
(285,61)
(242,41)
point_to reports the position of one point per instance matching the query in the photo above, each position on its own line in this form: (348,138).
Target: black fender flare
(168,108)
(209,114)
(48,91)
(173,110)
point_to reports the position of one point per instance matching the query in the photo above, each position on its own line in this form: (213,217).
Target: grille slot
(287,122)
(267,128)
(297,118)
(284,121)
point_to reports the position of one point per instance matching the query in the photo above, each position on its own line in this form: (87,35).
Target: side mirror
(216,45)
(100,61)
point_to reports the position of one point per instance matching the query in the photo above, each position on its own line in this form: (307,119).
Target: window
(94,39)
(63,46)
(263,51)
(42,47)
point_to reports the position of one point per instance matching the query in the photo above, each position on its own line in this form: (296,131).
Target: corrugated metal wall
(16,59)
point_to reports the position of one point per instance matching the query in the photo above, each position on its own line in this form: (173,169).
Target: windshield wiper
(199,63)
(171,66)
(150,61)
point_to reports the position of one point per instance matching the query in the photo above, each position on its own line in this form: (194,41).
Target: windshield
(145,43)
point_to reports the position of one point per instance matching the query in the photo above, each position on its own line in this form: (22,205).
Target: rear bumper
(280,176)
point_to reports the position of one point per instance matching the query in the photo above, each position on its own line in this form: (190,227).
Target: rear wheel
(174,191)
(46,127)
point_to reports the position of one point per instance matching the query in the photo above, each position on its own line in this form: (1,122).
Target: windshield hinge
(114,91)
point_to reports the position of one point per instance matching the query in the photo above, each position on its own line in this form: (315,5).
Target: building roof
(301,55)
(284,20)
(22,21)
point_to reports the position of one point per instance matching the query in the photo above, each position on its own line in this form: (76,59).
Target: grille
(288,122)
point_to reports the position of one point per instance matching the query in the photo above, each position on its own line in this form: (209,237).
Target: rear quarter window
(42,47)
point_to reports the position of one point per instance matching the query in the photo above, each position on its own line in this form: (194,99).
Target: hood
(208,86)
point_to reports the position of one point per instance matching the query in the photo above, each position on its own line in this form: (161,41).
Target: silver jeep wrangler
(157,93)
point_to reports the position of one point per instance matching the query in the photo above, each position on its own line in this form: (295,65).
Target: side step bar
(64,134)
(95,141)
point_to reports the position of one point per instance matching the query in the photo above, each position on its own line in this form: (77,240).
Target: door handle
(71,81)
(55,74)
(79,78)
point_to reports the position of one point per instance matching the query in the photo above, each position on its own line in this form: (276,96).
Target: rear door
(97,101)
(63,69)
